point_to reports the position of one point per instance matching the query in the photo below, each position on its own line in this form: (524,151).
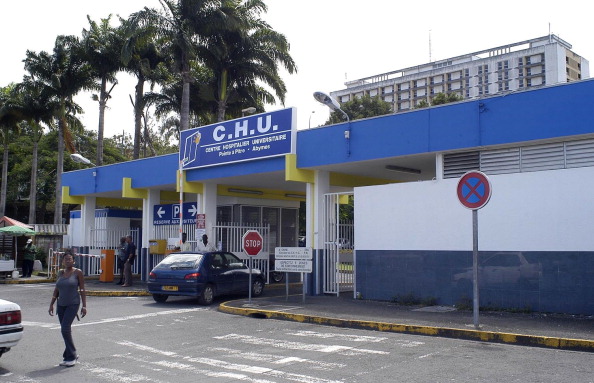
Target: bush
(41,255)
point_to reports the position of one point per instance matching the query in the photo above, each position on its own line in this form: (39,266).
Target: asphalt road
(137,340)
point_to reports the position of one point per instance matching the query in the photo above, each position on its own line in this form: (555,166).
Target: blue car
(202,275)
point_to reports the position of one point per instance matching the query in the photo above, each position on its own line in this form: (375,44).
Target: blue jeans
(66,316)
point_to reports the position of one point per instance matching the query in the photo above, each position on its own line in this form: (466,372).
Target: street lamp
(330,103)
(334,105)
(311,114)
(80,159)
(250,110)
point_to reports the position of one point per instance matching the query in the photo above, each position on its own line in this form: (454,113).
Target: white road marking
(38,324)
(166,365)
(278,359)
(133,317)
(343,350)
(243,368)
(114,375)
(349,338)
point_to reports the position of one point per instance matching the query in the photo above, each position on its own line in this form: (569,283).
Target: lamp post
(80,159)
(330,103)
(250,110)
(311,114)
(334,105)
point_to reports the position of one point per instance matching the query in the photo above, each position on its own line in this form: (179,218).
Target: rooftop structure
(523,65)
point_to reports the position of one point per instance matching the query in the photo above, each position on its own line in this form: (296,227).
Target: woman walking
(69,290)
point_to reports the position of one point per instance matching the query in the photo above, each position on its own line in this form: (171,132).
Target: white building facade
(523,65)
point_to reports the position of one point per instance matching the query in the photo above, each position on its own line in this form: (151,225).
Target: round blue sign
(474,190)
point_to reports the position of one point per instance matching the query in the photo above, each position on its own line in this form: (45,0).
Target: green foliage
(440,99)
(361,107)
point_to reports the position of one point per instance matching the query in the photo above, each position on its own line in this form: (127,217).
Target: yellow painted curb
(477,335)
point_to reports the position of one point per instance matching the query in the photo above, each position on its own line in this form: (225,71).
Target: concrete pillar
(88,219)
(208,206)
(154,198)
(439,166)
(315,227)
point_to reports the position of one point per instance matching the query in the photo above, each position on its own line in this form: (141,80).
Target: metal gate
(228,238)
(338,258)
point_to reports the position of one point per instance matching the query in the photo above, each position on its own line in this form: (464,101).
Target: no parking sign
(474,190)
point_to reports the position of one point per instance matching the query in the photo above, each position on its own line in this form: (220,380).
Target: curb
(106,293)
(475,335)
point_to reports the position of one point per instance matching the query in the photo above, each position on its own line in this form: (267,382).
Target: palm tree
(10,116)
(244,55)
(101,46)
(141,57)
(61,75)
(180,27)
(36,109)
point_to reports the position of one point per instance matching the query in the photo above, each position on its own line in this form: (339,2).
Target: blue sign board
(247,138)
(169,214)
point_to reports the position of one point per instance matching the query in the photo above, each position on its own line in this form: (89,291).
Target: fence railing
(102,239)
(228,238)
(90,264)
(51,229)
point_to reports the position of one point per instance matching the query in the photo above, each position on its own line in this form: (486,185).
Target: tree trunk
(101,128)
(33,187)
(222,103)
(59,170)
(4,176)
(184,118)
(138,109)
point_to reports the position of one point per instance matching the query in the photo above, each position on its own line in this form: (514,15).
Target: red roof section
(7,221)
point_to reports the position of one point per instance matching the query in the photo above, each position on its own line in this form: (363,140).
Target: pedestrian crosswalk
(297,357)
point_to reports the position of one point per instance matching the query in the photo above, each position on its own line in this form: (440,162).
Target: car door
(220,273)
(240,273)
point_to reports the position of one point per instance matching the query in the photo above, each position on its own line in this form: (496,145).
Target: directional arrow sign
(193,210)
(169,214)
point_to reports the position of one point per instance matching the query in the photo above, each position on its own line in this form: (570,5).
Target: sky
(332,41)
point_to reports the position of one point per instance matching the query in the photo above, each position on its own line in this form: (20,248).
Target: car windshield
(180,261)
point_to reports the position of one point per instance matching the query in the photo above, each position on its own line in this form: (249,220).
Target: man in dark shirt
(131,255)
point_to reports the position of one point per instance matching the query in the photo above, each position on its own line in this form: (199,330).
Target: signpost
(293,260)
(474,191)
(252,243)
(170,214)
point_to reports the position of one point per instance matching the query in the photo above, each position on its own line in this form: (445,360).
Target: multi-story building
(527,64)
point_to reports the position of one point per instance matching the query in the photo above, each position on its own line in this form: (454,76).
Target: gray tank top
(68,290)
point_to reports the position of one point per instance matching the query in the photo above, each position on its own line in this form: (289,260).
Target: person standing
(29,258)
(69,291)
(121,258)
(130,256)
(204,245)
(185,246)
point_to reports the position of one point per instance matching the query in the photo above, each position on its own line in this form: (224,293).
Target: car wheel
(257,287)
(160,297)
(277,276)
(207,295)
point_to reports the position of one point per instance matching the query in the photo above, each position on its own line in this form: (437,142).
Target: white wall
(537,211)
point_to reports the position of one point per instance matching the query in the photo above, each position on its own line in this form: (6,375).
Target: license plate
(169,288)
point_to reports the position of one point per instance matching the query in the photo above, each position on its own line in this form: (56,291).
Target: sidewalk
(558,331)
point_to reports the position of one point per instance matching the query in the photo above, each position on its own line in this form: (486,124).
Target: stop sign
(252,242)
